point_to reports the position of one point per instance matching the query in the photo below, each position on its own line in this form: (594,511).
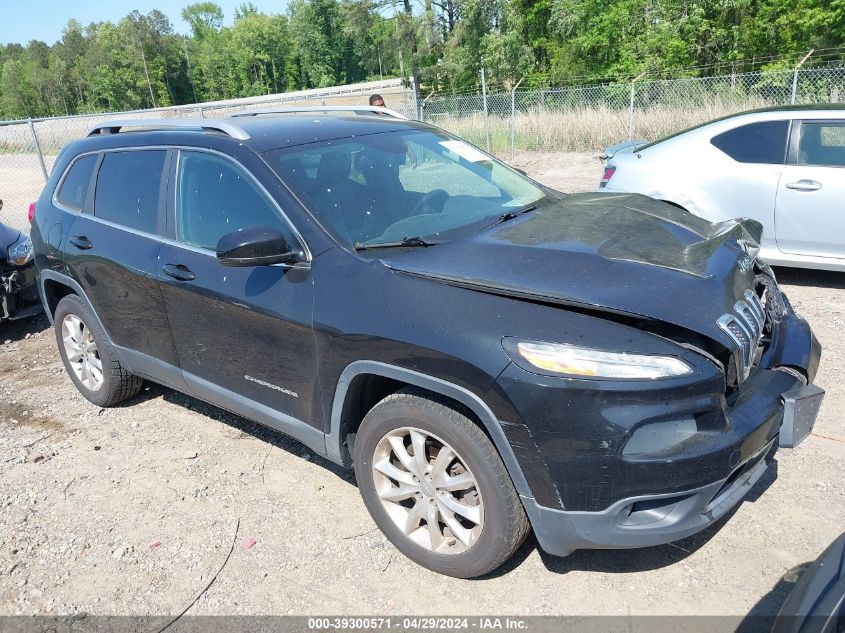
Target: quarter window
(763,142)
(822,144)
(75,185)
(128,187)
(215,197)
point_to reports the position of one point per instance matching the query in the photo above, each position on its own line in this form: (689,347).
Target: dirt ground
(133,510)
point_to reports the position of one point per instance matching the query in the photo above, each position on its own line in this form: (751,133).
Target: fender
(679,200)
(71,283)
(491,424)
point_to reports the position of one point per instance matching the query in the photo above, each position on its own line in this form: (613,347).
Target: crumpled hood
(622,253)
(8,236)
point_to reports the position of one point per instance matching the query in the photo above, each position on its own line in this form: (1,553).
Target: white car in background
(784,167)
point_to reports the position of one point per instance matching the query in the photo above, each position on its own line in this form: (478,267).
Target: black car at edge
(491,356)
(18,290)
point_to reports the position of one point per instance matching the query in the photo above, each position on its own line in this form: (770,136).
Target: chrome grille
(745,327)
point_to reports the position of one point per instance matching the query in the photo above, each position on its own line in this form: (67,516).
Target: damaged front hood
(8,236)
(622,253)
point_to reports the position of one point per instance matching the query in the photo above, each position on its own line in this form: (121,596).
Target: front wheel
(435,485)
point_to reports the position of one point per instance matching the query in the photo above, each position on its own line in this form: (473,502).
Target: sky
(24,20)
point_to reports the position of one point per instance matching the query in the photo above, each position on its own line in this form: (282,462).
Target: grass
(584,129)
(575,129)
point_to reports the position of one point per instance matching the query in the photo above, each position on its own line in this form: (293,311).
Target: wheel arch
(54,290)
(354,379)
(54,286)
(689,200)
(677,205)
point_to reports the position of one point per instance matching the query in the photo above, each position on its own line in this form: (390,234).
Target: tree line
(141,62)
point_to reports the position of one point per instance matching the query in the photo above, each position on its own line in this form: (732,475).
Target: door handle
(179,272)
(804,185)
(81,242)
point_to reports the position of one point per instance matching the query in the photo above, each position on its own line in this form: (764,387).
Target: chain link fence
(579,119)
(589,118)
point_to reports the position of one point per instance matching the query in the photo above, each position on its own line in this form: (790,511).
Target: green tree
(317,42)
(204,18)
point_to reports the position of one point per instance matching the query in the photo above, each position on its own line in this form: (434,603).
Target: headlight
(571,360)
(20,252)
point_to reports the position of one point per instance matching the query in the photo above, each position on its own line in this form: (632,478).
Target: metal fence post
(415,102)
(513,117)
(201,112)
(38,150)
(422,107)
(631,105)
(484,99)
(795,76)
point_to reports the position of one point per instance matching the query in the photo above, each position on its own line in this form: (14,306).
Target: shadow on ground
(605,561)
(762,615)
(152,391)
(814,278)
(18,330)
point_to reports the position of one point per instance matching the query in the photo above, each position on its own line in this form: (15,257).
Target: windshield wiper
(510,215)
(405,242)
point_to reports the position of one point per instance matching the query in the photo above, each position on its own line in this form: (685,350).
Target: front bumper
(595,496)
(19,296)
(646,520)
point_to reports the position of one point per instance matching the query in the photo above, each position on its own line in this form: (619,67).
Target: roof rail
(357,109)
(226,127)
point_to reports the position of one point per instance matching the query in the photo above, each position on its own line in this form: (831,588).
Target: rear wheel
(436,486)
(88,356)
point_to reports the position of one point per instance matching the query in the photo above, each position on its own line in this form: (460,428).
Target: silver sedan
(784,167)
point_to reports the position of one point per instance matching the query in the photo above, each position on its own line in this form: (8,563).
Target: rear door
(243,335)
(746,185)
(113,247)
(810,206)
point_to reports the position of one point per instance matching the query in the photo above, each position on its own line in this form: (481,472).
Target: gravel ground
(133,510)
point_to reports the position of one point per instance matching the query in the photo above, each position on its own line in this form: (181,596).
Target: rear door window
(75,184)
(763,142)
(822,144)
(128,188)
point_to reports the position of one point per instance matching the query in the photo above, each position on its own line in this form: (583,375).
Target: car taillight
(607,175)
(31,211)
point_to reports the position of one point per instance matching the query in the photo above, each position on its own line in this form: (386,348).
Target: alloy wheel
(428,491)
(81,352)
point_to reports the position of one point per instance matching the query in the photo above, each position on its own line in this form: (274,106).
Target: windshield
(382,188)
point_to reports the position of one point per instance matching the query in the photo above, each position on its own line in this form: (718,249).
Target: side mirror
(254,246)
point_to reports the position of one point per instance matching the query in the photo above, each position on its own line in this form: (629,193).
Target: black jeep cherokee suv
(490,355)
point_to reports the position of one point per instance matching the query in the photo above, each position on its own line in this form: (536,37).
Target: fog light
(660,436)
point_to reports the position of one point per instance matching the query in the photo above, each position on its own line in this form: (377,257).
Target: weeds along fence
(579,118)
(589,118)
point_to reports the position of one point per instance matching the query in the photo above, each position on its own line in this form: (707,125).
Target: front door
(810,206)
(244,335)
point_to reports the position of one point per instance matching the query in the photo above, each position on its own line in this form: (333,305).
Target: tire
(483,546)
(88,345)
